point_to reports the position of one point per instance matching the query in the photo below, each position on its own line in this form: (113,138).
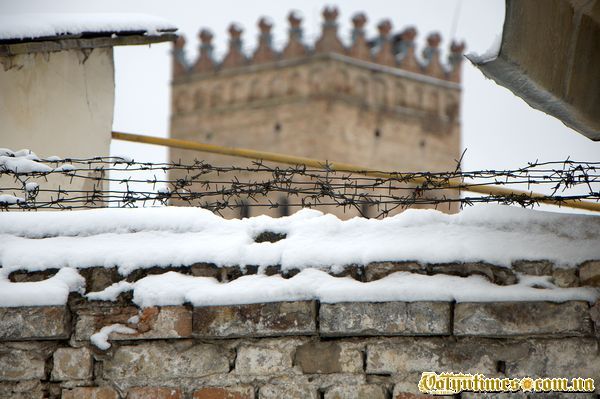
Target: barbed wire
(79,183)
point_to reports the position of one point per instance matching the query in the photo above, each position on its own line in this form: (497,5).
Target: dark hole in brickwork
(277,127)
(269,236)
(289,273)
(377,133)
(24,276)
(272,270)
(501,366)
(539,287)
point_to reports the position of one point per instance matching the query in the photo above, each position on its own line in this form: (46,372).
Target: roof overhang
(550,57)
(50,45)
(34,33)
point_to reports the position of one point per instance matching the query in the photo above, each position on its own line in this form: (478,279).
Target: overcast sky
(499,130)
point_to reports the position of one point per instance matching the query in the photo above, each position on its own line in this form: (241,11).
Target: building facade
(374,103)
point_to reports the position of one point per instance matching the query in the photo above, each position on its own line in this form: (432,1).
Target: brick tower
(375,102)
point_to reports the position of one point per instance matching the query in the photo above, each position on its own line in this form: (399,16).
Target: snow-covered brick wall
(179,303)
(172,256)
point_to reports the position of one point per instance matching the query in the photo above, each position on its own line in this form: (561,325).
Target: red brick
(154,393)
(90,393)
(224,393)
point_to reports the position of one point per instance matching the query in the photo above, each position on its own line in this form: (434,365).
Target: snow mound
(52,291)
(100,339)
(173,288)
(314,242)
(131,239)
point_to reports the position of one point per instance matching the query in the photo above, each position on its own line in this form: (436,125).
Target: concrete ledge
(256,320)
(386,318)
(53,44)
(522,319)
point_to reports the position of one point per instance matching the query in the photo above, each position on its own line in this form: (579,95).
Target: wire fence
(119,182)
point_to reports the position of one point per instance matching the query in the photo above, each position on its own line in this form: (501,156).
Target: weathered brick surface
(29,389)
(595,316)
(553,395)
(207,270)
(287,391)
(407,388)
(38,322)
(565,278)
(163,361)
(155,322)
(92,318)
(398,394)
(387,318)
(542,357)
(162,323)
(72,364)
(533,267)
(356,392)
(98,278)
(90,393)
(154,393)
(328,357)
(378,270)
(589,273)
(24,361)
(522,318)
(366,355)
(239,392)
(256,320)
(566,357)
(529,395)
(265,358)
(491,395)
(410,356)
(496,274)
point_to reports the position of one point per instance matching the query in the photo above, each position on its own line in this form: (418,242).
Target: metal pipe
(338,166)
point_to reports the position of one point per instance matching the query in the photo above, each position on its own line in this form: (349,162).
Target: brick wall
(302,349)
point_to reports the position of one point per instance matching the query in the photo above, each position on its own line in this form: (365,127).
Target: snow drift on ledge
(130,239)
(174,236)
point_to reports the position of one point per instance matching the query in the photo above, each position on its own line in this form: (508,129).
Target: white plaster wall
(57,103)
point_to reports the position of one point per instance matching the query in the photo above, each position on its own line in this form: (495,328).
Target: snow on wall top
(173,236)
(33,26)
(145,237)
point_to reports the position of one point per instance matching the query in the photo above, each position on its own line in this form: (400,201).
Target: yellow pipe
(337,166)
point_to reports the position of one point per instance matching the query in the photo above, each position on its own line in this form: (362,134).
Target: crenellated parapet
(388,48)
(205,62)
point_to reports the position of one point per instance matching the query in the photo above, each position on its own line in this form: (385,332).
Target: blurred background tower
(374,102)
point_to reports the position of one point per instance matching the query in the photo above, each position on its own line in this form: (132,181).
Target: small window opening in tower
(377,132)
(277,127)
(422,144)
(284,206)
